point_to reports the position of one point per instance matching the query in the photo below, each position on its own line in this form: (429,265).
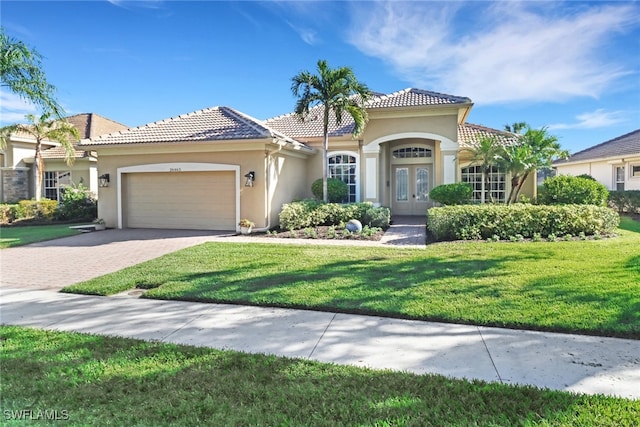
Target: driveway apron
(57,263)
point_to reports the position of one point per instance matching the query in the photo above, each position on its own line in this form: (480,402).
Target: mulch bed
(320,233)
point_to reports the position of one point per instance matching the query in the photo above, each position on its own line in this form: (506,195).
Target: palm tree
(536,149)
(516,127)
(41,129)
(339,91)
(486,154)
(21,71)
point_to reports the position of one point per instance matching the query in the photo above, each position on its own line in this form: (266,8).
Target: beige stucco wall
(81,171)
(379,126)
(249,156)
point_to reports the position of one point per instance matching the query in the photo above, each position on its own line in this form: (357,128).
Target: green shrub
(78,203)
(625,201)
(311,213)
(43,210)
(337,190)
(452,194)
(9,213)
(565,190)
(471,222)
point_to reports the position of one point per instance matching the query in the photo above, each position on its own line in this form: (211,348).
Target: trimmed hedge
(459,193)
(625,201)
(566,190)
(312,213)
(44,210)
(475,222)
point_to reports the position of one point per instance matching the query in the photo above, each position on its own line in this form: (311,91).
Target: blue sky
(571,66)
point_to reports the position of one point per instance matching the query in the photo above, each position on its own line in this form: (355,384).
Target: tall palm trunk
(325,155)
(38,172)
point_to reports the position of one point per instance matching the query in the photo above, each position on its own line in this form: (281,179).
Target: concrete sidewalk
(558,361)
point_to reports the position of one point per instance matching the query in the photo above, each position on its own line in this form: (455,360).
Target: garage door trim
(177,168)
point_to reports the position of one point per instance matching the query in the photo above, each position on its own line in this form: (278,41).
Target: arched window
(345,167)
(411,153)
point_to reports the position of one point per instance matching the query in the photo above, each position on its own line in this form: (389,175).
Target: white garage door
(181,200)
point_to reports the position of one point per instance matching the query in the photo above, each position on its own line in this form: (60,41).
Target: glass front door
(411,187)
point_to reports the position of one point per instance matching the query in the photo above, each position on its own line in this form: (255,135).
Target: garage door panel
(186,200)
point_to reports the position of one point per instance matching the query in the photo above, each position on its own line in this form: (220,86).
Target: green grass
(589,287)
(97,381)
(23,235)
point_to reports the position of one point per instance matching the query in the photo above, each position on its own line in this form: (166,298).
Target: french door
(411,186)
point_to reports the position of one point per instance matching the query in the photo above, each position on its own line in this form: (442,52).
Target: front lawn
(23,235)
(589,287)
(91,380)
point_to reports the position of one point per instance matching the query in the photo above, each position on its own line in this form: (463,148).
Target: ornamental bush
(337,190)
(480,222)
(566,189)
(625,201)
(311,213)
(452,194)
(78,203)
(42,210)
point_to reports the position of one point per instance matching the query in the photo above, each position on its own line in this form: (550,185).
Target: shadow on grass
(101,380)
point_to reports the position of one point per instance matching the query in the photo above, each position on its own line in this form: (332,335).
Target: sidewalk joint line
(495,368)
(322,335)
(182,327)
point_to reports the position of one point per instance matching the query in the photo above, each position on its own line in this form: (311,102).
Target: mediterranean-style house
(16,161)
(212,167)
(614,163)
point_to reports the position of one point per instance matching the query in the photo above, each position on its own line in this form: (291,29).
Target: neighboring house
(614,163)
(191,171)
(16,161)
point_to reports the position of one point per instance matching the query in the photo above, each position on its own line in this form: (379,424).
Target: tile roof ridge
(250,121)
(147,125)
(261,126)
(483,127)
(626,135)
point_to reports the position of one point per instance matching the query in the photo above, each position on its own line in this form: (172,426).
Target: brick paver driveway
(61,262)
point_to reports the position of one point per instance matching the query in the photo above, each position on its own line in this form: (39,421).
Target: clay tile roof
(292,125)
(411,97)
(211,124)
(469,134)
(624,145)
(59,153)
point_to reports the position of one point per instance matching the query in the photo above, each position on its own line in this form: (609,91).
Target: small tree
(337,190)
(44,129)
(536,149)
(340,92)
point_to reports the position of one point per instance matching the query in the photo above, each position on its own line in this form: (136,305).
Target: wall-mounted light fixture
(251,177)
(103,180)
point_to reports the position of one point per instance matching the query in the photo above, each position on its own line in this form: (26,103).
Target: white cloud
(308,35)
(496,52)
(13,108)
(599,118)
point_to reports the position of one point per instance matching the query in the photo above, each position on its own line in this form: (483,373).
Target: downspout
(267,187)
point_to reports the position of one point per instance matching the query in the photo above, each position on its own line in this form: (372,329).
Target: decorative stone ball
(354,226)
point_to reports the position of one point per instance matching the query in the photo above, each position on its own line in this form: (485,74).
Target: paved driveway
(61,262)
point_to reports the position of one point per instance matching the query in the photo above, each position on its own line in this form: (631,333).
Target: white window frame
(477,183)
(616,177)
(53,183)
(356,173)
